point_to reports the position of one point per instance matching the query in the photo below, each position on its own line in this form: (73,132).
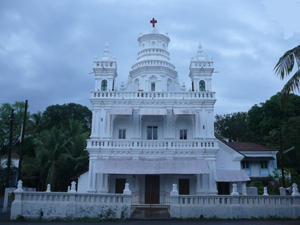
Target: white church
(154,132)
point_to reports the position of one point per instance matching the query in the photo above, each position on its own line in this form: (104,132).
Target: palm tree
(54,156)
(283,68)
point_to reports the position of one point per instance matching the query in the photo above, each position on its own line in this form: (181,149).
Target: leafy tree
(58,115)
(283,68)
(268,117)
(5,112)
(232,126)
(54,156)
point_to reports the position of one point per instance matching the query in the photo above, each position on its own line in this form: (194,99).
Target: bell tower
(201,70)
(105,70)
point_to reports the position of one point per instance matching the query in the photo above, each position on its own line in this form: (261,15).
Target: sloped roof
(248,146)
(13,156)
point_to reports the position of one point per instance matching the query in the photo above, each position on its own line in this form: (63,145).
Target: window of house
(245,164)
(183,134)
(202,85)
(104,85)
(152,133)
(184,186)
(122,134)
(153,86)
(264,164)
(120,186)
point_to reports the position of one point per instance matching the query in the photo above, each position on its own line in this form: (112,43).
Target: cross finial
(153,21)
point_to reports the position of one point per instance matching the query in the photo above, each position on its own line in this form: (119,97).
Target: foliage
(283,68)
(53,146)
(259,185)
(5,112)
(59,115)
(290,177)
(232,126)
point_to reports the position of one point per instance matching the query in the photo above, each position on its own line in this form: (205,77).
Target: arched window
(169,85)
(202,85)
(136,85)
(104,85)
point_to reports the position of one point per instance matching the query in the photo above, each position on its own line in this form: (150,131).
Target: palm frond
(289,87)
(286,63)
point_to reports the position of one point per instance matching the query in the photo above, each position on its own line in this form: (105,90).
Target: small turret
(201,70)
(105,70)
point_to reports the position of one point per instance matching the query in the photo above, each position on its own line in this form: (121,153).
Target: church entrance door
(150,202)
(152,189)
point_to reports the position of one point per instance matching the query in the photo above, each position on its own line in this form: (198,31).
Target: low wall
(50,205)
(229,207)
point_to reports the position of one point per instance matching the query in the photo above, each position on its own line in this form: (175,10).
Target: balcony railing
(145,144)
(153,95)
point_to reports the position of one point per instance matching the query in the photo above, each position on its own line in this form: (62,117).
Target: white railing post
(295,190)
(127,200)
(48,188)
(20,186)
(126,191)
(16,206)
(265,191)
(73,187)
(175,207)
(234,190)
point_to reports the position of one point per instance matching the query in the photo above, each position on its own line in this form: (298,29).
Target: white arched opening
(121,127)
(169,85)
(136,85)
(183,128)
(152,81)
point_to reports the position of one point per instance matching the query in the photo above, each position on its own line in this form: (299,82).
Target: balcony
(151,145)
(152,95)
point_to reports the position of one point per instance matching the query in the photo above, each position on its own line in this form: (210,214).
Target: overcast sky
(47,48)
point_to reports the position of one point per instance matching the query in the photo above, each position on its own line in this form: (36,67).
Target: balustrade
(153,144)
(153,95)
(227,200)
(66,197)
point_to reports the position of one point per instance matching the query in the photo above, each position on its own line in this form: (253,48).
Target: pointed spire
(199,53)
(106,52)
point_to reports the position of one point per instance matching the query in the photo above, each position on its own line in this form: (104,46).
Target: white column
(212,188)
(197,128)
(210,123)
(135,129)
(104,183)
(92,177)
(244,188)
(95,123)
(106,124)
(200,187)
(169,125)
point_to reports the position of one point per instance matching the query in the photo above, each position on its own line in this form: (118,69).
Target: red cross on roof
(153,21)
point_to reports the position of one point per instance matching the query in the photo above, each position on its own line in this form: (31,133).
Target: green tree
(54,156)
(5,112)
(232,126)
(283,68)
(59,115)
(267,117)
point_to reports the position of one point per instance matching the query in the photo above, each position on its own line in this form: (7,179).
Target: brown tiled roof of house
(13,156)
(248,146)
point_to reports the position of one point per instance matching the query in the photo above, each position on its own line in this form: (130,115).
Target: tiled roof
(248,146)
(13,156)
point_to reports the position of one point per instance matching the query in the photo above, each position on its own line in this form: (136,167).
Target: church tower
(105,70)
(201,70)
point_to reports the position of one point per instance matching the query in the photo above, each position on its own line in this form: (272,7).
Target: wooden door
(184,186)
(120,185)
(152,189)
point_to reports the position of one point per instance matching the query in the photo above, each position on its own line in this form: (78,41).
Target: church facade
(153,131)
